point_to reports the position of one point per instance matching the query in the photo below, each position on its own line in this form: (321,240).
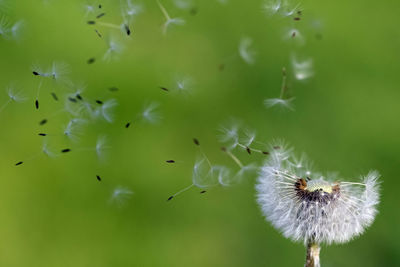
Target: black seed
(202,192)
(98,33)
(79,96)
(42,134)
(37,104)
(54,96)
(98,177)
(127,125)
(35,73)
(100,15)
(265,152)
(248,150)
(128,31)
(296,18)
(43,122)
(91,22)
(165,89)
(91,60)
(113,89)
(99,102)
(171,197)
(19,163)
(100,6)
(65,150)
(170,161)
(72,99)
(223,149)
(196,141)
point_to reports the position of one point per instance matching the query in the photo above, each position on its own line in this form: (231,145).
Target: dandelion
(107,110)
(314,209)
(114,48)
(13,96)
(302,69)
(283,101)
(120,195)
(169,21)
(245,51)
(150,114)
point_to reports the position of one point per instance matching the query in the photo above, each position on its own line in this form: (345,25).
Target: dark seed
(296,18)
(72,99)
(91,22)
(100,15)
(165,89)
(248,150)
(37,104)
(98,177)
(91,60)
(223,149)
(43,122)
(98,33)
(113,89)
(19,163)
(265,152)
(170,161)
(171,197)
(128,31)
(99,102)
(35,73)
(42,134)
(202,192)
(54,96)
(66,150)
(127,125)
(196,142)
(79,96)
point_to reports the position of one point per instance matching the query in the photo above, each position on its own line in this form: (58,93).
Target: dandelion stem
(312,259)
(235,159)
(164,11)
(183,190)
(106,24)
(284,83)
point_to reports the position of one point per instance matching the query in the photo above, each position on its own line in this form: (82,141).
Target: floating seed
(196,141)
(91,60)
(65,150)
(19,163)
(170,161)
(43,122)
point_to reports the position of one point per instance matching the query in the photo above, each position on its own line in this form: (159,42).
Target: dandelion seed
(113,49)
(19,163)
(120,195)
(35,73)
(150,113)
(43,122)
(107,109)
(101,146)
(42,134)
(202,192)
(245,51)
(91,60)
(248,150)
(170,161)
(98,33)
(196,141)
(13,96)
(37,104)
(169,21)
(73,130)
(127,125)
(73,100)
(91,22)
(283,101)
(65,150)
(54,96)
(127,29)
(302,69)
(316,210)
(98,178)
(163,88)
(171,197)
(100,15)
(99,102)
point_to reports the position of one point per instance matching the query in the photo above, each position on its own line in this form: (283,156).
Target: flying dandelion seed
(119,196)
(150,113)
(245,51)
(13,97)
(302,69)
(284,102)
(168,20)
(314,209)
(114,48)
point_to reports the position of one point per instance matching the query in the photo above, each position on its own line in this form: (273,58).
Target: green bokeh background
(55,213)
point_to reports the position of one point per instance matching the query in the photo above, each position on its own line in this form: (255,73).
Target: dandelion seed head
(245,51)
(302,69)
(279,102)
(114,48)
(316,208)
(101,146)
(15,96)
(150,114)
(120,195)
(107,110)
(172,21)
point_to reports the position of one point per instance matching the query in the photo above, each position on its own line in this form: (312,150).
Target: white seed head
(285,104)
(15,96)
(306,208)
(120,195)
(245,51)
(107,110)
(302,69)
(149,113)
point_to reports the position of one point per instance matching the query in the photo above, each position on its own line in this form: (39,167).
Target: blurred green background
(346,118)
